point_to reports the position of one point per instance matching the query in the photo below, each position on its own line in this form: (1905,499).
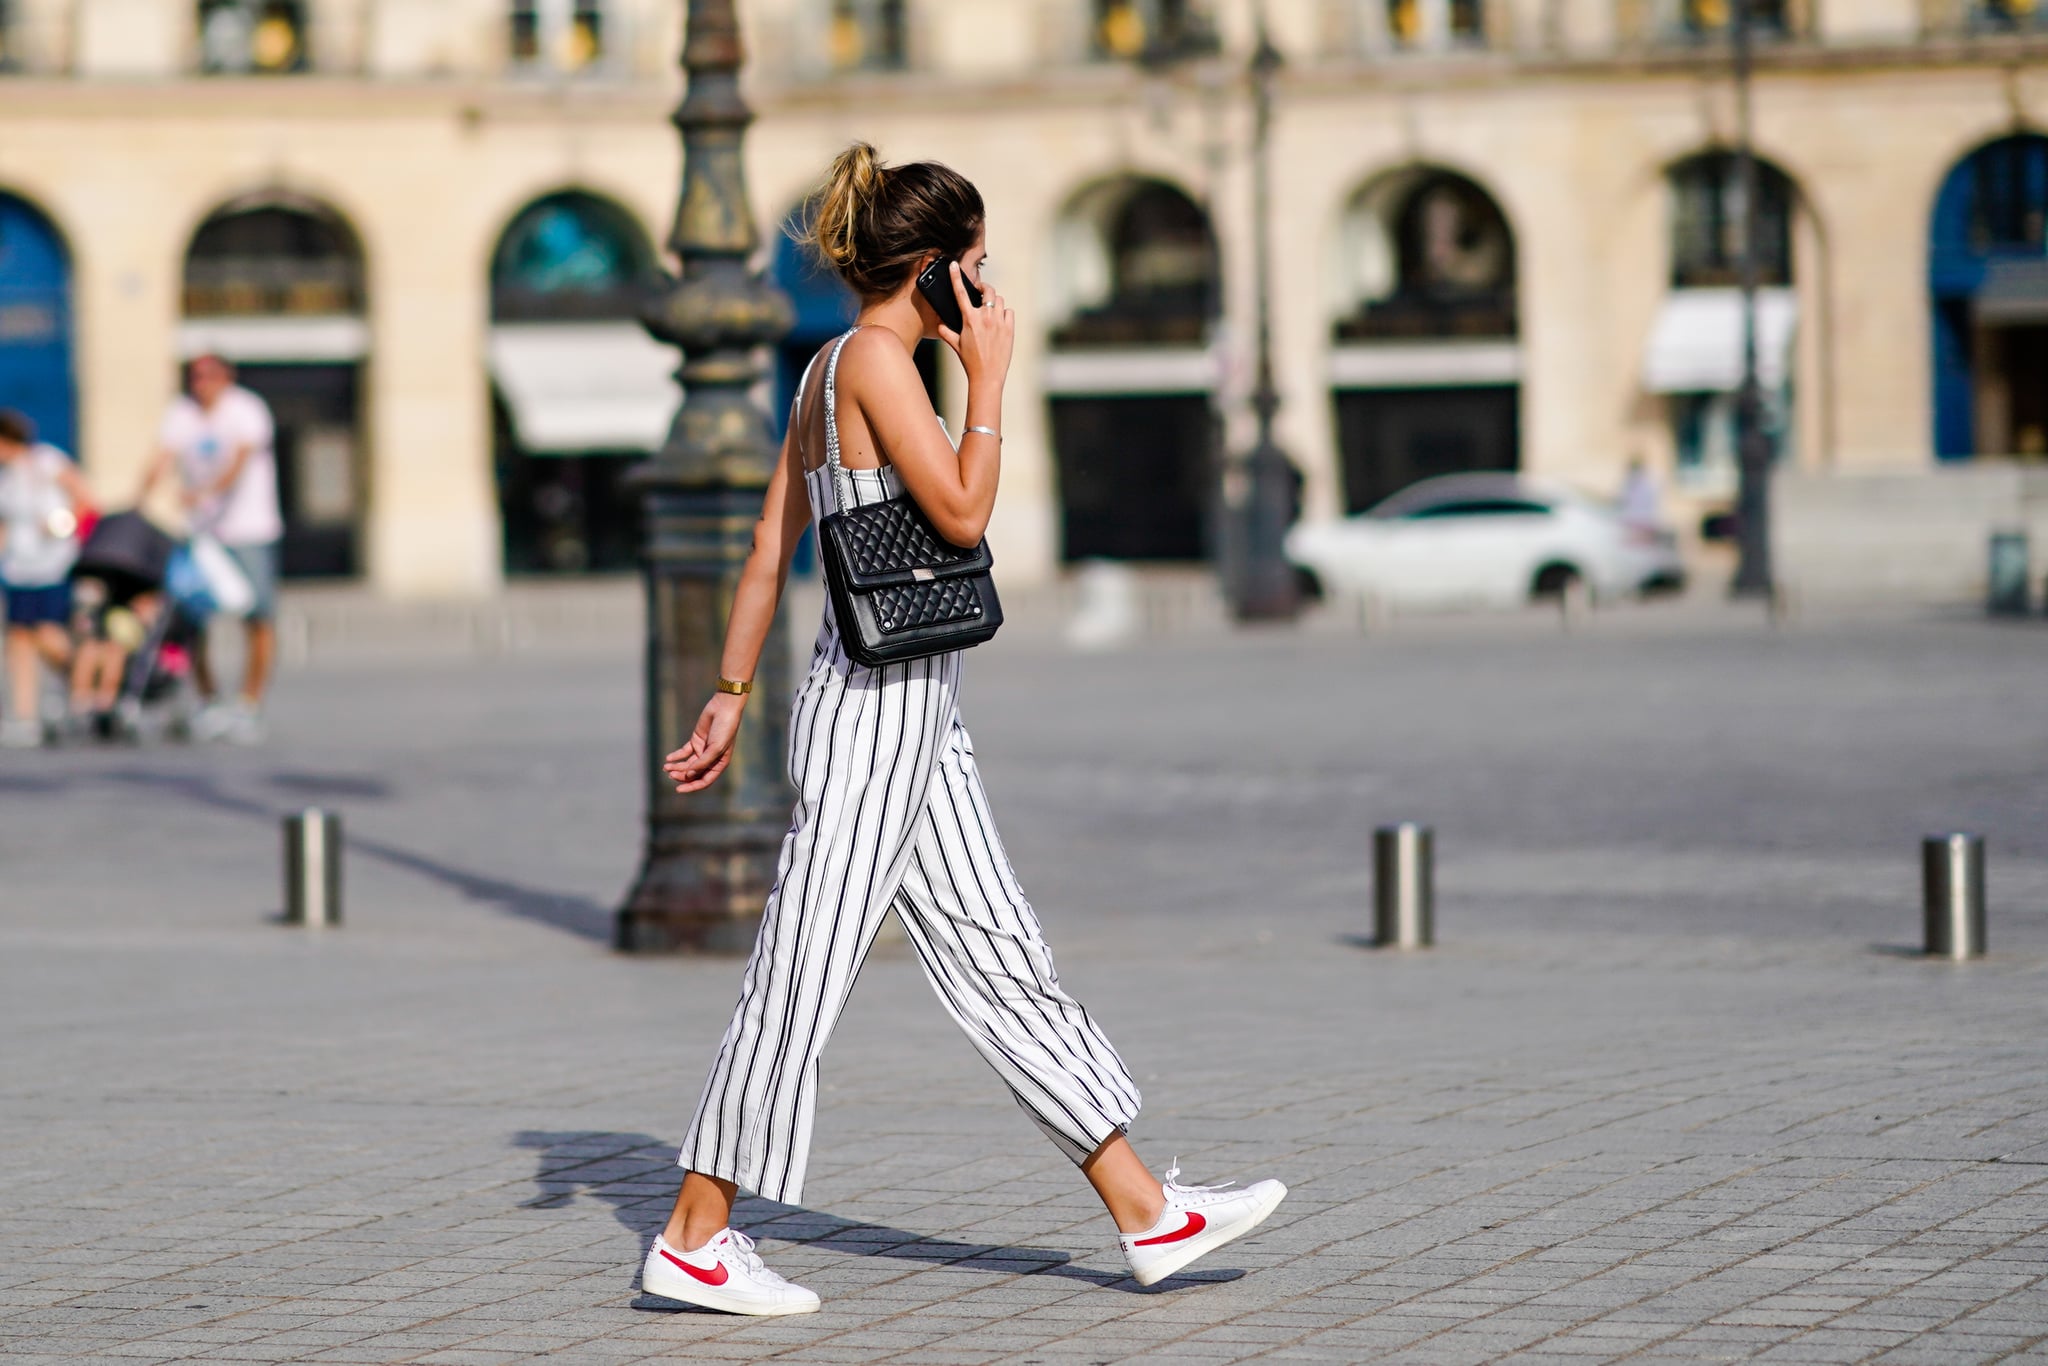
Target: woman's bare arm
(785,512)
(956,489)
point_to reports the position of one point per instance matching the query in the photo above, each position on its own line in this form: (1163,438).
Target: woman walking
(890,811)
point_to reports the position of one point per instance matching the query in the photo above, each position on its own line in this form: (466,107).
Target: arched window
(266,37)
(274,282)
(1425,375)
(569,256)
(560,35)
(35,322)
(1990,302)
(582,392)
(1707,223)
(1139,266)
(275,255)
(1427,253)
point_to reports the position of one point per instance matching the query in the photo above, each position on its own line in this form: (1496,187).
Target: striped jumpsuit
(890,814)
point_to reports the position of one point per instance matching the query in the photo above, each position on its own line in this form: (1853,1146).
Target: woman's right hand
(986,334)
(705,755)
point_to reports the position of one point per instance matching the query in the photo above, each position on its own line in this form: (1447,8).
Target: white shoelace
(1173,1179)
(743,1246)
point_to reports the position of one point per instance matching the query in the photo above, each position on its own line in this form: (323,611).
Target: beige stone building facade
(1503,236)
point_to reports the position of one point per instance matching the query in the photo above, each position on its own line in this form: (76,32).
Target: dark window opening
(1707,223)
(1705,20)
(569,257)
(270,260)
(1135,475)
(1455,268)
(261,37)
(869,35)
(1153,30)
(2007,209)
(1165,283)
(1391,438)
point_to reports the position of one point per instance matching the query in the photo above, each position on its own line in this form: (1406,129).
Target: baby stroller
(134,637)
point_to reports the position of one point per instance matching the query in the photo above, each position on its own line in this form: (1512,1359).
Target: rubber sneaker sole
(659,1278)
(1204,1243)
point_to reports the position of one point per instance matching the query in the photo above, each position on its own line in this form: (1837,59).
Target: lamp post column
(1263,586)
(1752,442)
(709,857)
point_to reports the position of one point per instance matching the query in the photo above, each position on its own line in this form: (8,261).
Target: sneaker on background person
(725,1274)
(21,732)
(1197,1220)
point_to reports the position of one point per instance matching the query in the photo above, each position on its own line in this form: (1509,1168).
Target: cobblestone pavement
(1673,1087)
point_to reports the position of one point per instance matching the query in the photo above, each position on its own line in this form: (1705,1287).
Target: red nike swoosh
(1195,1224)
(717,1275)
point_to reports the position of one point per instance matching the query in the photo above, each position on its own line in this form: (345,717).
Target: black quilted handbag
(899,589)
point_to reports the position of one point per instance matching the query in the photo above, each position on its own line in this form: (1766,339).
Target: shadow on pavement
(576,915)
(636,1175)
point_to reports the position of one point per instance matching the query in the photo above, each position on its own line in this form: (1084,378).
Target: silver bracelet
(985,431)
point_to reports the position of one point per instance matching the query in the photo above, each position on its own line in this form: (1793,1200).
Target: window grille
(1707,223)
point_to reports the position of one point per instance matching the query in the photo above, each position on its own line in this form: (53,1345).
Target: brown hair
(874,224)
(16,429)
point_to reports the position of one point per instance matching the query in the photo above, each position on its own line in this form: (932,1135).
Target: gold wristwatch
(736,688)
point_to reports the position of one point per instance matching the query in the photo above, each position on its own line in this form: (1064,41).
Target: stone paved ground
(1672,1088)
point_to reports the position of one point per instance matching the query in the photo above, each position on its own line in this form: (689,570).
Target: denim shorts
(258,564)
(36,605)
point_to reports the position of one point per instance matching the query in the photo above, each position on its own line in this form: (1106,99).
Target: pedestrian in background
(41,497)
(891,814)
(219,440)
(1640,504)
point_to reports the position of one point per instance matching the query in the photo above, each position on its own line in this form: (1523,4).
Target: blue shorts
(258,564)
(40,604)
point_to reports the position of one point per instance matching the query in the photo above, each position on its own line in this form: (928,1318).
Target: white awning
(1696,345)
(1425,364)
(329,339)
(576,387)
(1136,370)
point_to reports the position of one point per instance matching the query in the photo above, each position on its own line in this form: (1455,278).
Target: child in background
(41,497)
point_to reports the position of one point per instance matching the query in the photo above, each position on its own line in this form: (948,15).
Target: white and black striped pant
(890,813)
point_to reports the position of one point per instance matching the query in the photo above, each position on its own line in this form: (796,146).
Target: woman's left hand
(698,763)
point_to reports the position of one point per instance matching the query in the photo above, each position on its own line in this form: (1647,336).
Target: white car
(1492,540)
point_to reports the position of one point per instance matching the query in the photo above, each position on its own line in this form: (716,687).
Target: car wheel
(1557,580)
(1308,583)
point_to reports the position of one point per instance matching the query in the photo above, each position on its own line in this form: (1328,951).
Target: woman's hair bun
(849,190)
(873,223)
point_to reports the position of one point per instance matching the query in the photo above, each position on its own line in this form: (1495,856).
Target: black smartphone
(935,282)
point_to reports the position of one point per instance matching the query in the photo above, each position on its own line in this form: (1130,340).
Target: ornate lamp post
(709,857)
(1262,585)
(1752,442)
(1261,489)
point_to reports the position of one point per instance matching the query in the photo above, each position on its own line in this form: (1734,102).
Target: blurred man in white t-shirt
(219,441)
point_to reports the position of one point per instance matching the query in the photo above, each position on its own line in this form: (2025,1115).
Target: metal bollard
(1952,875)
(2008,575)
(312,868)
(1403,894)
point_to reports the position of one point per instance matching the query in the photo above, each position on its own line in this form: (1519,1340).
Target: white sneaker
(212,721)
(21,732)
(1197,1220)
(723,1274)
(245,726)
